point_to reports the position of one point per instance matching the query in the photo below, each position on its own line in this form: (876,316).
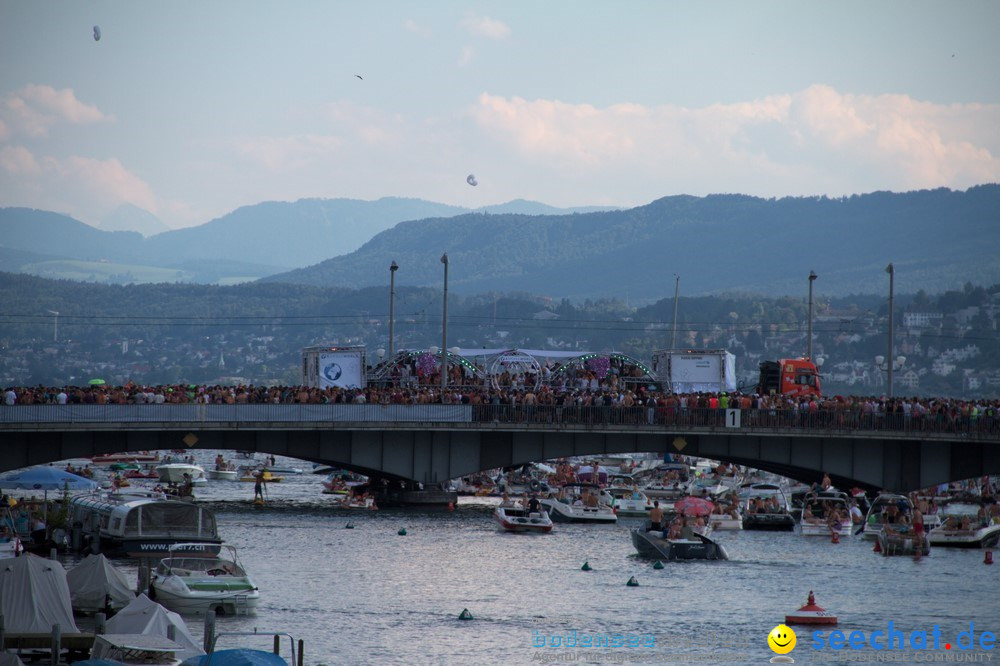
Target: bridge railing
(982,427)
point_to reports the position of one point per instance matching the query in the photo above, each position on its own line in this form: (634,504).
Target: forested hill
(937,240)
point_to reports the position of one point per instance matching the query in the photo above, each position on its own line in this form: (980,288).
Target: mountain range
(729,243)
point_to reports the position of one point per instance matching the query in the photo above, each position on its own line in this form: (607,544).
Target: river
(371,596)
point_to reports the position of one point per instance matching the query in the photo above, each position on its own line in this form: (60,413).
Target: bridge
(434,443)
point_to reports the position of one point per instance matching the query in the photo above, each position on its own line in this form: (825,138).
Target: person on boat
(655,517)
(807,515)
(918,525)
(856,516)
(220,463)
(187,489)
(534,506)
(826,484)
(505,500)
(591,501)
(687,531)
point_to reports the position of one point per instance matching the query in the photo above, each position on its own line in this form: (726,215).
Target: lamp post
(892,274)
(393,267)
(677,290)
(444,330)
(55,325)
(889,366)
(809,334)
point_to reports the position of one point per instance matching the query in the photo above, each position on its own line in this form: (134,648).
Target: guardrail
(982,427)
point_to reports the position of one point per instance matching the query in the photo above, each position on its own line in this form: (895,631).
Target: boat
(192,581)
(818,518)
(222,474)
(285,470)
(570,506)
(265,475)
(965,525)
(887,508)
(142,474)
(766,508)
(175,473)
(691,546)
(125,457)
(706,486)
(519,519)
(628,500)
(140,523)
(732,520)
(903,541)
(669,481)
(357,502)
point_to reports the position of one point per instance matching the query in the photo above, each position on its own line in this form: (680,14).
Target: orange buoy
(811,614)
(988,558)
(451,506)
(835,538)
(878,547)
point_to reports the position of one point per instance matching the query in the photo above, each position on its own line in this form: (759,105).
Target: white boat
(627,500)
(357,502)
(890,508)
(573,505)
(765,507)
(222,474)
(668,481)
(191,580)
(174,473)
(706,486)
(817,517)
(964,526)
(726,521)
(518,519)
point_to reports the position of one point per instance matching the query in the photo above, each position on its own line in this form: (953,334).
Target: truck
(695,370)
(789,376)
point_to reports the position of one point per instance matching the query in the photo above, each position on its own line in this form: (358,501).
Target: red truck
(789,376)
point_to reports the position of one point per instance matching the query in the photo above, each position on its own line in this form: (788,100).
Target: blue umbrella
(46,479)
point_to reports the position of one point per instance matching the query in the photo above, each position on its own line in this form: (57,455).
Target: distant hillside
(132,218)
(249,243)
(937,240)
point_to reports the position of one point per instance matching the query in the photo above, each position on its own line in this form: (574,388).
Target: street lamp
(55,325)
(889,366)
(444,330)
(393,267)
(812,278)
(677,290)
(892,274)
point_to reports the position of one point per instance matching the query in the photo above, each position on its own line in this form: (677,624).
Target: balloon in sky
(471,180)
(97,33)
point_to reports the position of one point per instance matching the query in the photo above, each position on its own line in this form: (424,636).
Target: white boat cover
(93,579)
(34,595)
(10,659)
(145,616)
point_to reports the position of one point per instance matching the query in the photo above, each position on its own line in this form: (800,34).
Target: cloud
(804,142)
(288,152)
(466,56)
(412,26)
(18,161)
(484,26)
(33,109)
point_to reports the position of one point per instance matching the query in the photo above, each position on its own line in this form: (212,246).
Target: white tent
(94,579)
(34,595)
(145,616)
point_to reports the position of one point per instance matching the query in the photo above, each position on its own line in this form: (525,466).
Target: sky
(190,110)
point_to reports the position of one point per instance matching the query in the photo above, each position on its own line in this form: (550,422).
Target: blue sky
(192,109)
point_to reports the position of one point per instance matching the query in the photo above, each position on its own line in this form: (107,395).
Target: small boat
(265,475)
(818,517)
(965,526)
(630,502)
(518,519)
(222,474)
(887,508)
(766,508)
(142,474)
(125,457)
(902,542)
(571,506)
(357,502)
(691,546)
(191,580)
(175,473)
(285,470)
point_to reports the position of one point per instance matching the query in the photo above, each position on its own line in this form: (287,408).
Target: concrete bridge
(435,443)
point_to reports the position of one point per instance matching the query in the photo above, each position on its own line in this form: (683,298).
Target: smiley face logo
(781,639)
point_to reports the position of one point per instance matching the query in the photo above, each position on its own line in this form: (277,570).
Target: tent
(145,616)
(34,595)
(95,578)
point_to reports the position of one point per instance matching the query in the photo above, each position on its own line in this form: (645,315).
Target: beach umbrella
(46,479)
(694,506)
(97,382)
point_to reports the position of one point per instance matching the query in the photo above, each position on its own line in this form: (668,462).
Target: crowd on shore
(633,405)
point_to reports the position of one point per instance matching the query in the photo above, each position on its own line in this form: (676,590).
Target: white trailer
(695,370)
(323,367)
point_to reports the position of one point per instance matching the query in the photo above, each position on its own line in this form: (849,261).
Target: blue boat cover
(237,657)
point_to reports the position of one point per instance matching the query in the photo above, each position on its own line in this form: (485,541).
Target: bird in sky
(359,76)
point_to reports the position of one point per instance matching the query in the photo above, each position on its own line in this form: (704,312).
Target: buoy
(632,582)
(349,526)
(988,558)
(402,531)
(836,538)
(465,615)
(586,567)
(878,546)
(811,614)
(658,565)
(451,506)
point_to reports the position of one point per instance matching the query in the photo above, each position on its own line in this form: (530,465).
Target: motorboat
(175,473)
(192,581)
(265,475)
(628,500)
(966,525)
(125,457)
(824,513)
(887,508)
(733,520)
(140,523)
(519,519)
(902,540)
(691,546)
(669,482)
(580,503)
(222,474)
(706,486)
(766,508)
(357,502)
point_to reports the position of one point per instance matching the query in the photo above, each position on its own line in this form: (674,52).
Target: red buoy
(836,538)
(988,559)
(878,547)
(451,506)
(811,614)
